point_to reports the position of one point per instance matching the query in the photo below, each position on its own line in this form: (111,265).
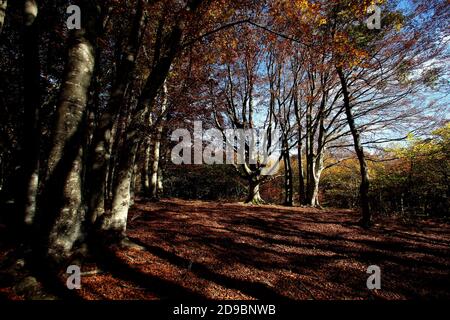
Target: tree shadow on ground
(109,261)
(322,249)
(254,289)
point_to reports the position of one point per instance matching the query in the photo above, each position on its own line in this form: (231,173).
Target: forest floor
(214,250)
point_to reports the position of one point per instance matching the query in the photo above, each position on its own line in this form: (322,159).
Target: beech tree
(61,220)
(102,137)
(88,112)
(242,105)
(166,50)
(373,65)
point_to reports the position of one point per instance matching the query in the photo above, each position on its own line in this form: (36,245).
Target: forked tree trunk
(62,209)
(365,179)
(315,173)
(312,184)
(3,6)
(32,100)
(254,197)
(313,191)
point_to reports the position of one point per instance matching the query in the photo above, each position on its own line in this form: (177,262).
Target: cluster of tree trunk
(110,105)
(83,187)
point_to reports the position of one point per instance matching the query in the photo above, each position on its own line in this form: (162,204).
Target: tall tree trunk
(119,129)
(160,180)
(320,153)
(365,179)
(157,149)
(62,210)
(101,145)
(32,100)
(315,152)
(310,163)
(117,219)
(288,185)
(316,184)
(155,167)
(301,177)
(114,224)
(3,6)
(311,181)
(133,182)
(145,170)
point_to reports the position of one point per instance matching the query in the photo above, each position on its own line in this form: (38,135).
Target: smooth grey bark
(288,183)
(32,100)
(101,145)
(315,174)
(119,129)
(310,199)
(145,170)
(167,49)
(115,221)
(254,196)
(314,169)
(154,171)
(364,170)
(301,178)
(318,159)
(133,182)
(160,180)
(3,6)
(62,210)
(114,224)
(315,150)
(154,181)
